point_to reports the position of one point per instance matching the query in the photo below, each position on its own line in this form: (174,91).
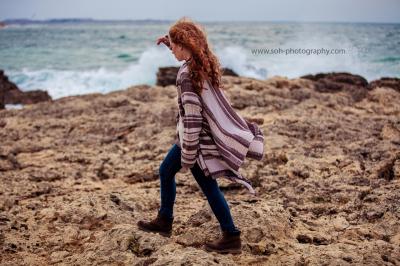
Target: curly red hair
(204,64)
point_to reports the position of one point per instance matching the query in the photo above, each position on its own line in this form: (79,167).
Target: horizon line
(71,19)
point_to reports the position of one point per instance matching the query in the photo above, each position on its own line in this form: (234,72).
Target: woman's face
(180,52)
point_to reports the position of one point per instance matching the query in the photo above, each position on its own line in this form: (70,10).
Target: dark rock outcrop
(356,85)
(11,94)
(229,72)
(167,75)
(341,78)
(393,83)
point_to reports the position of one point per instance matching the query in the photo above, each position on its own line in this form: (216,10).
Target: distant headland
(23,21)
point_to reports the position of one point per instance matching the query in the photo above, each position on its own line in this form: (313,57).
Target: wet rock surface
(79,172)
(11,94)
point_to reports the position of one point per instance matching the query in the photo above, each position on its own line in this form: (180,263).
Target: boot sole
(166,234)
(225,251)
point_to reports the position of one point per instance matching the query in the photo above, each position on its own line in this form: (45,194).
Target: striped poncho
(211,133)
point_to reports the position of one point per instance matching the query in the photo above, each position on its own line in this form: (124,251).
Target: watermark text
(298,51)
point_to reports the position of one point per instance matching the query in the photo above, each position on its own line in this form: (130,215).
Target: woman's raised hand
(165,40)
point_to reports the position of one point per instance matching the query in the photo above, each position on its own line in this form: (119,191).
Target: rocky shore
(77,173)
(11,94)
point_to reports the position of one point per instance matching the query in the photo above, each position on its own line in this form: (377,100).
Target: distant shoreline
(75,20)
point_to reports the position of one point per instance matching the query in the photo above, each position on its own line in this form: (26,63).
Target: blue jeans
(169,167)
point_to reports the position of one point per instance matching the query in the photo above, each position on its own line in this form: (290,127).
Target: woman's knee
(207,183)
(171,162)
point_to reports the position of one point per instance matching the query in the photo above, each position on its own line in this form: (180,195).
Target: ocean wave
(61,83)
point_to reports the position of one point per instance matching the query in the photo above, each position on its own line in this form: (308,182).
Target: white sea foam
(14,106)
(61,83)
(236,58)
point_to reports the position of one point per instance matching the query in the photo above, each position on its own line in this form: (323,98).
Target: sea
(78,57)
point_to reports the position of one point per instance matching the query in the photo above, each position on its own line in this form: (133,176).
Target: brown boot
(160,225)
(227,244)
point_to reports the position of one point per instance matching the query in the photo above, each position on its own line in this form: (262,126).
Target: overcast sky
(207,10)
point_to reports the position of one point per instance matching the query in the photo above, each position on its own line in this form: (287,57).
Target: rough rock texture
(333,82)
(11,94)
(356,85)
(79,172)
(167,75)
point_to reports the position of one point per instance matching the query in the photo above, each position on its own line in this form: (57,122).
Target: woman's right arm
(165,40)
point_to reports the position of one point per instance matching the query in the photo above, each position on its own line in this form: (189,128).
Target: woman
(212,140)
